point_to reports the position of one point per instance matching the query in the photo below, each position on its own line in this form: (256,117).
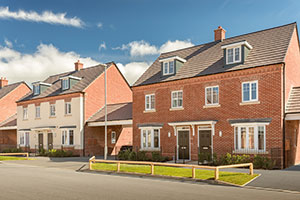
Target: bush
(229,159)
(157,157)
(141,156)
(202,157)
(260,162)
(13,150)
(124,155)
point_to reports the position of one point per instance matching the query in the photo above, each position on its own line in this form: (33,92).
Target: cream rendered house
(54,114)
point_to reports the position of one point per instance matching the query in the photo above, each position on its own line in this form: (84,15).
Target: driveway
(20,181)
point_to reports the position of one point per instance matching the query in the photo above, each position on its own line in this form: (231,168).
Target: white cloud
(102,46)
(46,17)
(47,60)
(100,25)
(8,43)
(142,48)
(132,71)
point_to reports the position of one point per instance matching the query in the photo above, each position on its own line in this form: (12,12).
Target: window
(177,99)
(25,113)
(250,137)
(36,89)
(68,108)
(168,68)
(65,84)
(212,95)
(37,111)
(52,110)
(67,137)
(113,137)
(250,91)
(150,138)
(24,138)
(233,55)
(150,102)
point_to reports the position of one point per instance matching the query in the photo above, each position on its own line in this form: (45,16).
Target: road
(19,181)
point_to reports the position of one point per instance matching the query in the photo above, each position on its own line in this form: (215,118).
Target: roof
(9,122)
(269,47)
(8,88)
(87,75)
(293,103)
(115,112)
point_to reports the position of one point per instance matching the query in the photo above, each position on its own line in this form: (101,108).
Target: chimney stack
(3,82)
(78,66)
(219,34)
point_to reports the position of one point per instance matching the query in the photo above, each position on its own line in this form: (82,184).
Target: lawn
(11,158)
(230,177)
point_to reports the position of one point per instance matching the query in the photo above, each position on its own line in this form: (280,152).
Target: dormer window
(168,67)
(36,89)
(236,52)
(233,55)
(39,87)
(65,84)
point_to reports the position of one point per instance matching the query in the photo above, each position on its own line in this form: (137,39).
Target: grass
(2,158)
(230,177)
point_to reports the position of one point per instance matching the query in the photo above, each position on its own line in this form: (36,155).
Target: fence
(152,164)
(15,154)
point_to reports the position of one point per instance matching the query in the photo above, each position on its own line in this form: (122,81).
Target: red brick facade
(230,96)
(8,139)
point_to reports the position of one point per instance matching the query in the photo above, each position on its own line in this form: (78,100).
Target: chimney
(219,34)
(78,66)
(3,82)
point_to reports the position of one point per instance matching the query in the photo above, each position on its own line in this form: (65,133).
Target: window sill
(37,118)
(249,103)
(68,115)
(149,111)
(149,149)
(250,152)
(52,117)
(68,145)
(25,119)
(212,106)
(173,109)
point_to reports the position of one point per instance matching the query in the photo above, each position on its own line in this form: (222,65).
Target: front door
(50,140)
(183,144)
(205,141)
(41,141)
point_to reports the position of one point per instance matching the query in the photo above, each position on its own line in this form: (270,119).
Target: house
(9,94)
(239,95)
(54,114)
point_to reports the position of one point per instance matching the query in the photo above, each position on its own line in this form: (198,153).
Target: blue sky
(39,38)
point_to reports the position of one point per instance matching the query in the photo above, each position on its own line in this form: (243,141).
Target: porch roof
(186,123)
(257,120)
(43,128)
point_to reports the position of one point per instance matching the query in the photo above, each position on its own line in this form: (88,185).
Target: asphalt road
(18,181)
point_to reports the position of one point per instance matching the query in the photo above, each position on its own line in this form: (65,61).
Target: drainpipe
(105,105)
(283,138)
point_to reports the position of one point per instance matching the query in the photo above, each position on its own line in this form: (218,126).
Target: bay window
(67,137)
(24,138)
(150,138)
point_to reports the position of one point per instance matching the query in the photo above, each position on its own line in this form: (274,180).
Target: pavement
(28,181)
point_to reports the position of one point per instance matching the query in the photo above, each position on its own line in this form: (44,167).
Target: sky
(42,38)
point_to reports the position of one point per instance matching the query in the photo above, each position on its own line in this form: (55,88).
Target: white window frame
(51,113)
(178,91)
(113,137)
(151,129)
(68,108)
(233,54)
(25,113)
(37,112)
(36,89)
(25,138)
(212,87)
(167,64)
(65,137)
(150,108)
(250,91)
(256,145)
(65,83)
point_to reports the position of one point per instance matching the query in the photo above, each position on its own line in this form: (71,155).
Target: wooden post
(152,169)
(27,156)
(251,169)
(216,173)
(193,172)
(118,166)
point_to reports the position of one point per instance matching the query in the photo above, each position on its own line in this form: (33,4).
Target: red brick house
(9,94)
(54,114)
(238,95)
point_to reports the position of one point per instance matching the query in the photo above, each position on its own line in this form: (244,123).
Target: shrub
(202,157)
(13,150)
(157,157)
(141,156)
(132,156)
(124,155)
(260,162)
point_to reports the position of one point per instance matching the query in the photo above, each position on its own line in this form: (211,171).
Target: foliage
(55,153)
(202,157)
(157,157)
(260,162)
(141,156)
(13,150)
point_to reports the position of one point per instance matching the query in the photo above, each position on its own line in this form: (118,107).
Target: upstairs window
(52,110)
(68,109)
(250,91)
(233,55)
(65,84)
(177,99)
(150,102)
(168,68)
(37,112)
(212,95)
(25,113)
(36,89)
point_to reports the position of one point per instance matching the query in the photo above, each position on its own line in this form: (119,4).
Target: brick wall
(94,139)
(8,139)
(230,97)
(8,102)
